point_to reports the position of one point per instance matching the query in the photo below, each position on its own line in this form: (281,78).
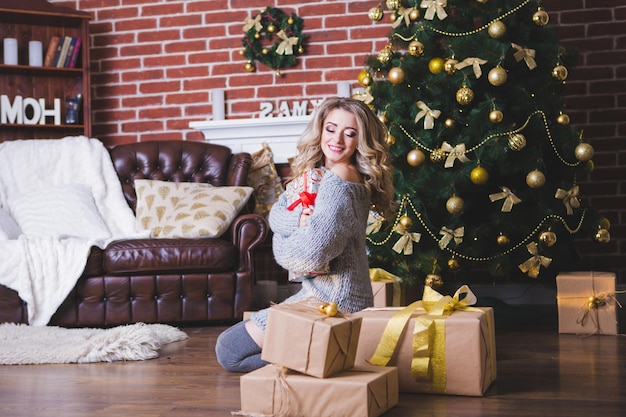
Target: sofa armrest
(247,232)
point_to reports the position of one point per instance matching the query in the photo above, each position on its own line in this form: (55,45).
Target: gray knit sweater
(335,235)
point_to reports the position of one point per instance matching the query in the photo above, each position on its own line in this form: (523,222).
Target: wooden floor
(540,373)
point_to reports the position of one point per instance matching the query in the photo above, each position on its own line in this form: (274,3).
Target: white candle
(344,89)
(10,51)
(35,57)
(218,104)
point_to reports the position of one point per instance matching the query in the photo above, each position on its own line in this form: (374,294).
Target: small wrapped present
(386,288)
(299,337)
(365,391)
(439,344)
(586,302)
(302,190)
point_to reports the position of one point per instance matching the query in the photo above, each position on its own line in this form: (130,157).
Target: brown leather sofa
(164,280)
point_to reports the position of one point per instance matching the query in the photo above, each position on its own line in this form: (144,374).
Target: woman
(347,139)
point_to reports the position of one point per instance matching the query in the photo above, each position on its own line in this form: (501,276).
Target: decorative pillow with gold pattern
(187,209)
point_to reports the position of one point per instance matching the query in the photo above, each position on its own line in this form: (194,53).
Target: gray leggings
(236,351)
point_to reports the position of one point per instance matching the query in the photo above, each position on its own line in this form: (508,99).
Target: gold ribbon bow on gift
(570,198)
(532,266)
(528,55)
(475,63)
(380,275)
(256,23)
(456,152)
(402,15)
(449,234)
(434,6)
(510,198)
(405,243)
(286,46)
(428,115)
(374,223)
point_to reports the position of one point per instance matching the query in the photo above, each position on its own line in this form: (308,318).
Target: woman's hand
(304,217)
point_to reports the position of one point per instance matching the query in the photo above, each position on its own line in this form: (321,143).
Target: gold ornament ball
(497,76)
(583,152)
(449,123)
(264,51)
(541,17)
(396,75)
(290,20)
(364,78)
(479,176)
(433,281)
(560,72)
(300,49)
(562,119)
(453,264)
(605,223)
(535,179)
(414,14)
(415,157)
(517,141)
(481,1)
(502,239)
(497,29)
(450,66)
(271,28)
(602,236)
(496,116)
(385,55)
(406,222)
(393,4)
(435,65)
(375,13)
(390,139)
(464,96)
(455,205)
(257,35)
(242,52)
(548,238)
(438,155)
(415,48)
(249,67)
(383,117)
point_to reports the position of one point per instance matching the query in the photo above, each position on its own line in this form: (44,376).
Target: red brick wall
(154,63)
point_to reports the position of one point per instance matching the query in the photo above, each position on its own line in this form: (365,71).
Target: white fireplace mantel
(247,135)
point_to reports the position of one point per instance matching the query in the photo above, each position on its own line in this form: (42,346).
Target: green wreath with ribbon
(272,38)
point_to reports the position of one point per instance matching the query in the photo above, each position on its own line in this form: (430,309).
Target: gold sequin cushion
(187,209)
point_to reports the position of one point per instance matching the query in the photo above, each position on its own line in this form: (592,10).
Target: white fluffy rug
(23,344)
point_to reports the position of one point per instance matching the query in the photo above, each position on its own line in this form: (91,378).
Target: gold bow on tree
(570,198)
(510,198)
(286,46)
(474,62)
(434,6)
(449,234)
(428,115)
(405,243)
(456,152)
(374,223)
(256,23)
(528,55)
(402,15)
(532,266)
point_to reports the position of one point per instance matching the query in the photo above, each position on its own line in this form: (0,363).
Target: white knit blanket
(43,270)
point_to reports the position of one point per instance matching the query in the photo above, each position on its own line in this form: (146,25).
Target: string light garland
(272,38)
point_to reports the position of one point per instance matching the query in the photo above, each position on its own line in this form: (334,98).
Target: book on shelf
(57,52)
(75,52)
(52,48)
(66,46)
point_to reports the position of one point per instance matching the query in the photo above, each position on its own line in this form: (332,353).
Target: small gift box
(365,391)
(443,346)
(302,190)
(299,337)
(386,288)
(586,302)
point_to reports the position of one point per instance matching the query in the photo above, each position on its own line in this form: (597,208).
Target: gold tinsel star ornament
(272,38)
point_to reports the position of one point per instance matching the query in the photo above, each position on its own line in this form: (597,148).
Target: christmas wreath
(273,38)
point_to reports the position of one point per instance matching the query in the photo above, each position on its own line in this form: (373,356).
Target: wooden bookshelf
(39,20)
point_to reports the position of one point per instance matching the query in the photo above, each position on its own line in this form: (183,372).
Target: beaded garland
(273,38)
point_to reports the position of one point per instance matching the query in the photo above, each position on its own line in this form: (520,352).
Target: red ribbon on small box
(303,189)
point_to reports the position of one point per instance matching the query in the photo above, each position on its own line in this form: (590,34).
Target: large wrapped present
(365,391)
(299,337)
(586,302)
(439,344)
(386,288)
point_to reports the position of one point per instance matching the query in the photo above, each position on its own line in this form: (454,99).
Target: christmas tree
(486,161)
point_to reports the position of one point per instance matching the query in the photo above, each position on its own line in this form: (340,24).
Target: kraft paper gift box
(364,391)
(586,302)
(454,353)
(386,288)
(299,337)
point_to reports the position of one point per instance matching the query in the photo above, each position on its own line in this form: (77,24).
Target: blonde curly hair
(371,157)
